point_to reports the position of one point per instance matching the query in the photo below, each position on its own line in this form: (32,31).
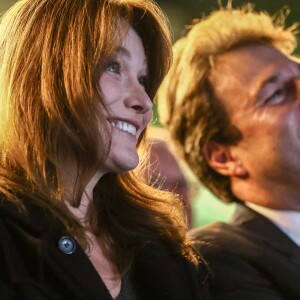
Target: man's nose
(297,87)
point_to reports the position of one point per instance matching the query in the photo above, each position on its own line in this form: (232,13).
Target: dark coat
(250,258)
(33,267)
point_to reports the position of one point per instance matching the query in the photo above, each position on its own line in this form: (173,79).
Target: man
(232,105)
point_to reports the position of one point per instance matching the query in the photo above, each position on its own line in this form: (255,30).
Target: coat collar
(265,230)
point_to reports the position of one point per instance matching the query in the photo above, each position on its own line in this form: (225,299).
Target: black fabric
(33,267)
(127,291)
(249,258)
(160,275)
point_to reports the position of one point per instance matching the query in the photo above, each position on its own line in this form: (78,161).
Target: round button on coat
(67,245)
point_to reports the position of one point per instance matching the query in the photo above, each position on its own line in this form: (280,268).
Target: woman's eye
(143,80)
(113,67)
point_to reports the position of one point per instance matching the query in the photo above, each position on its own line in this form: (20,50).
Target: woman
(77,79)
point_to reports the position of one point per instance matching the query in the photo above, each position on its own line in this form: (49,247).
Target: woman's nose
(138,99)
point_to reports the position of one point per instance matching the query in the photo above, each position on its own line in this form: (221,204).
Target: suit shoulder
(215,231)
(221,237)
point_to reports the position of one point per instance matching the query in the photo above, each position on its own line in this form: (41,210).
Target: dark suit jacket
(250,258)
(33,268)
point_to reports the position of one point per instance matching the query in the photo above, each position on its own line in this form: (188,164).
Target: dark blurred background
(181,12)
(205,207)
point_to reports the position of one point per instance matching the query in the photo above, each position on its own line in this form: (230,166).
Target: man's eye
(276,97)
(113,67)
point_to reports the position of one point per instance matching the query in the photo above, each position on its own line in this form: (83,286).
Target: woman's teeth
(124,126)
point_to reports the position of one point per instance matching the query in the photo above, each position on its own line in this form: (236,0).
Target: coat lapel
(274,252)
(264,230)
(32,257)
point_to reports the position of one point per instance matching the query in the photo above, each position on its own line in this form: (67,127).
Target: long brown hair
(52,54)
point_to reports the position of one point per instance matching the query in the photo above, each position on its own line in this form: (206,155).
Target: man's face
(260,90)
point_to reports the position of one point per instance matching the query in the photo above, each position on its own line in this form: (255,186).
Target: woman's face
(129,107)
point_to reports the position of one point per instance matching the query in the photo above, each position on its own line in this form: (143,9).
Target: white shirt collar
(287,220)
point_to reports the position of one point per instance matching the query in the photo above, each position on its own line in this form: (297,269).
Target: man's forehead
(239,73)
(245,64)
(256,52)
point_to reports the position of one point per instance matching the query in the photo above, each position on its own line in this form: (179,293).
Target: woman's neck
(86,199)
(106,269)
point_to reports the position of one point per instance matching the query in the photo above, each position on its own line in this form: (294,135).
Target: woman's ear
(219,158)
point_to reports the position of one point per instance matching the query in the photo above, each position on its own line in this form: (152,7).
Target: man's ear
(220,159)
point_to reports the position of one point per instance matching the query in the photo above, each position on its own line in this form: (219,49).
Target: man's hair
(188,105)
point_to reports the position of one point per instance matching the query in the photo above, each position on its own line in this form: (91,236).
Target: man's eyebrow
(271,79)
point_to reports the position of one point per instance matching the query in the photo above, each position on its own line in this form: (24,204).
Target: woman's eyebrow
(123,51)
